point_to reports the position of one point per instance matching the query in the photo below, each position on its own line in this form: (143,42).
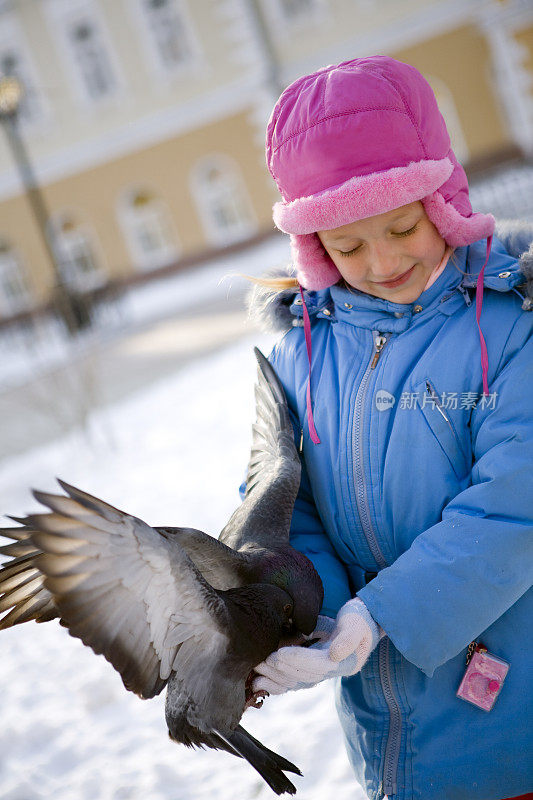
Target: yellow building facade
(144,121)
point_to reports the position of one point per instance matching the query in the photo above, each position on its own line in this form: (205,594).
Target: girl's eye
(349,252)
(407,232)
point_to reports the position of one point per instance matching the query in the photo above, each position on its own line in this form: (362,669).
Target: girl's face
(391,255)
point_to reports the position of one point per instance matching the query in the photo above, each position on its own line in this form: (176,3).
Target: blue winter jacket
(422,481)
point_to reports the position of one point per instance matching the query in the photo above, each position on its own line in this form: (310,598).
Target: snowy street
(39,410)
(50,384)
(169,445)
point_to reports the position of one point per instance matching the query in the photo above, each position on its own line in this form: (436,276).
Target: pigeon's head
(307,596)
(293,572)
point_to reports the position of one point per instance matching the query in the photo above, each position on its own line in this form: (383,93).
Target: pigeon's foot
(253,699)
(256,699)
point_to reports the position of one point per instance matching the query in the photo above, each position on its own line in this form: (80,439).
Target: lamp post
(70,307)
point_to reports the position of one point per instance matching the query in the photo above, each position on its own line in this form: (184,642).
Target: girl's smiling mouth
(396,281)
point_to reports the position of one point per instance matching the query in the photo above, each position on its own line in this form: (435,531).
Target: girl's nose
(384,262)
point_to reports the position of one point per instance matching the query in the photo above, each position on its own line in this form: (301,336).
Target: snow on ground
(173,454)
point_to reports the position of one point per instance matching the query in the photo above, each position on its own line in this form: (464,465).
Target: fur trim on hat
(362,196)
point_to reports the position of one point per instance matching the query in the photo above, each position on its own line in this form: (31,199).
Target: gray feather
(273,478)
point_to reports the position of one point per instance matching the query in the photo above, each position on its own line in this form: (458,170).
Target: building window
(294,13)
(148,230)
(222,201)
(170,33)
(91,57)
(15,294)
(448,109)
(75,253)
(298,9)
(86,47)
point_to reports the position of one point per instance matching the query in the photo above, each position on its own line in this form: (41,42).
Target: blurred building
(145,119)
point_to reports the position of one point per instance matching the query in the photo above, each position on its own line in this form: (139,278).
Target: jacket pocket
(442,427)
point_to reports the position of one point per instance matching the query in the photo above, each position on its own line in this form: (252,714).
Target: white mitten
(344,646)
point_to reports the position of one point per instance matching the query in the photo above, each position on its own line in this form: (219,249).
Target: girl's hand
(344,646)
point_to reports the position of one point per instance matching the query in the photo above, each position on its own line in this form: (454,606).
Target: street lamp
(71,308)
(10,96)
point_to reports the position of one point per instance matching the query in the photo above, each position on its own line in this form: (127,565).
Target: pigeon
(174,607)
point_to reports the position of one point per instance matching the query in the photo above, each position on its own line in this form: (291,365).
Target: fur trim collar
(268,309)
(517,238)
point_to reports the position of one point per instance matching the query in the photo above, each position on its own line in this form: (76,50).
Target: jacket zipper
(392,747)
(440,408)
(358,452)
(379,343)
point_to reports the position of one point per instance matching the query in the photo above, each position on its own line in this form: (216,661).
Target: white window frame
(12,39)
(64,244)
(156,64)
(512,78)
(216,235)
(62,14)
(130,218)
(11,262)
(448,109)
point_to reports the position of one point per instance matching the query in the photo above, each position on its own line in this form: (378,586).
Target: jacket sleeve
(307,533)
(462,574)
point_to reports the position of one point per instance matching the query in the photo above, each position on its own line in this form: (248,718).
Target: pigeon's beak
(288,627)
(306,624)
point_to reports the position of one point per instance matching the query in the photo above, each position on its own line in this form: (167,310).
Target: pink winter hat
(358,139)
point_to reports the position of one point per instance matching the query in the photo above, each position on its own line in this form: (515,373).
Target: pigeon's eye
(287,608)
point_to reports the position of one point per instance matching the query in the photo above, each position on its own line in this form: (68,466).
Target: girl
(409,373)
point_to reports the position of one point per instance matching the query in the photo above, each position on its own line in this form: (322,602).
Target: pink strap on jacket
(479,304)
(307,332)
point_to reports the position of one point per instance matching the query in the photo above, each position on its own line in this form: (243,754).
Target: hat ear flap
(455,228)
(314,267)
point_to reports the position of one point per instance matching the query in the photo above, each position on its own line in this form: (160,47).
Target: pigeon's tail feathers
(267,763)
(22,591)
(283,763)
(226,743)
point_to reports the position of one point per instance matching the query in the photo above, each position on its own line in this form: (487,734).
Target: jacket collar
(446,295)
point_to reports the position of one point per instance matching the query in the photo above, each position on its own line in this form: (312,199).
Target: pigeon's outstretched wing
(24,596)
(274,469)
(125,590)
